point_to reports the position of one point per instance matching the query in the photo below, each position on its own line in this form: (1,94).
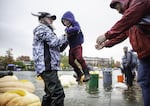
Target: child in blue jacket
(75,39)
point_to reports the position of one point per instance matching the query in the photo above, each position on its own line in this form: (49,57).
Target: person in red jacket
(135,24)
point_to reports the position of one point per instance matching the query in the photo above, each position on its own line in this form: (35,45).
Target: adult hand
(100,39)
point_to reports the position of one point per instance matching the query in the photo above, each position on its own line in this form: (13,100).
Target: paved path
(78,95)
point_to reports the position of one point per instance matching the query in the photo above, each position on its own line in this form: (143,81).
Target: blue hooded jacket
(75,37)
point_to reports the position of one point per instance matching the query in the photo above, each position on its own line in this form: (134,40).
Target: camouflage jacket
(46,48)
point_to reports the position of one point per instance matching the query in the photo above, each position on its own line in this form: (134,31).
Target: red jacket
(131,25)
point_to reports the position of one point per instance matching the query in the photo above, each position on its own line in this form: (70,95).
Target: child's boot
(86,75)
(78,75)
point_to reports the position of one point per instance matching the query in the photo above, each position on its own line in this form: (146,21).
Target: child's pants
(76,54)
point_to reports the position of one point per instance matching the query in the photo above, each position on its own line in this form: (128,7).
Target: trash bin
(107,79)
(93,83)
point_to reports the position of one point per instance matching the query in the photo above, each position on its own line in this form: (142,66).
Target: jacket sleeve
(46,34)
(132,16)
(74,29)
(54,41)
(127,60)
(63,46)
(116,40)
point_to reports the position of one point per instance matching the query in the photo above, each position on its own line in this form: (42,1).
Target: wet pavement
(79,95)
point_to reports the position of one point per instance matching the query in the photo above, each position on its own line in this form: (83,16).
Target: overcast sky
(94,16)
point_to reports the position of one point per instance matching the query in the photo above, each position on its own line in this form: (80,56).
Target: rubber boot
(86,75)
(60,104)
(78,75)
(46,101)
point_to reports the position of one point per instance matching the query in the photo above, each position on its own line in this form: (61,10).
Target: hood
(125,3)
(68,16)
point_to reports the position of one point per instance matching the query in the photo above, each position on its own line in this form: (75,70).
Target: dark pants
(129,76)
(144,79)
(76,54)
(54,91)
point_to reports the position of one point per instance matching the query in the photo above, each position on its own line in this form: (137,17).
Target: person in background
(135,24)
(75,39)
(127,67)
(134,64)
(46,54)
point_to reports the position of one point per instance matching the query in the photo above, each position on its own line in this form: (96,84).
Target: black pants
(54,91)
(129,76)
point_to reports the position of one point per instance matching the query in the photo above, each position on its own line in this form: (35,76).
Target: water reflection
(78,95)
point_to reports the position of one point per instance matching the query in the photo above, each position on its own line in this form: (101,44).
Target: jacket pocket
(138,39)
